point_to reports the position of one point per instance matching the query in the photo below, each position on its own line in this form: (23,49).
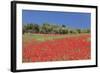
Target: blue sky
(70,19)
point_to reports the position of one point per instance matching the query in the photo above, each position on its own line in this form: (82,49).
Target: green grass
(42,37)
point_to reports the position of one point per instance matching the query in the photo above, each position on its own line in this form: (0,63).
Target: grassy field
(45,37)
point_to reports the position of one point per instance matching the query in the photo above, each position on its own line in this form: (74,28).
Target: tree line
(47,28)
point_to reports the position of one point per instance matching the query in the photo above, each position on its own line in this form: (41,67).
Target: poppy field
(55,36)
(55,47)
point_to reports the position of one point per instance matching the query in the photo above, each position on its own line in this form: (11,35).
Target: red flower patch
(68,48)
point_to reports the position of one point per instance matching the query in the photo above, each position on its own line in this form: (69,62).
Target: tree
(29,26)
(88,30)
(63,25)
(35,28)
(47,28)
(79,30)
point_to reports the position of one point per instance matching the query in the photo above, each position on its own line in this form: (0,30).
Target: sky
(70,19)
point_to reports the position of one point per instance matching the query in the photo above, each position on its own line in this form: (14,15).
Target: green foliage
(47,28)
(79,30)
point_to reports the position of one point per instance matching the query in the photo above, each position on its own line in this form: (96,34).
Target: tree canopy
(47,28)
